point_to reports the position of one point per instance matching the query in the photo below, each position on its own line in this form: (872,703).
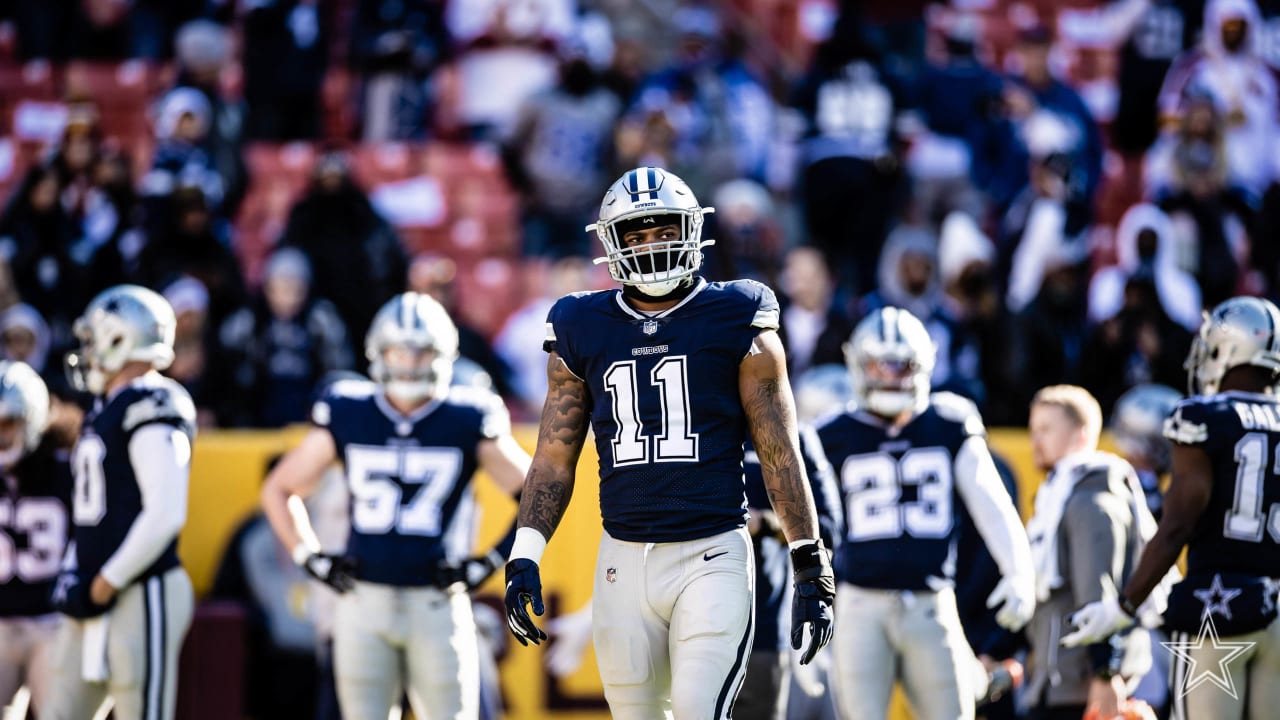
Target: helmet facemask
(890,358)
(13,444)
(645,199)
(412,373)
(411,347)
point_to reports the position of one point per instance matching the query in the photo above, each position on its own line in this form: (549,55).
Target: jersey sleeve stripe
(766,318)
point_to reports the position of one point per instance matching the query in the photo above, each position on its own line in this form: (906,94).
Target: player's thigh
(368,667)
(1264,675)
(712,625)
(630,639)
(863,659)
(15,654)
(69,697)
(144,639)
(442,655)
(43,634)
(937,663)
(765,690)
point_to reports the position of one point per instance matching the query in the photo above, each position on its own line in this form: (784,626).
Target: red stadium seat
(36,80)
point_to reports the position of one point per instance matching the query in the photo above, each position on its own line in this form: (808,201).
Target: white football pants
(673,624)
(388,639)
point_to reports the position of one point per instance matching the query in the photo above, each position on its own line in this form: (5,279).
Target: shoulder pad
(166,402)
(766,303)
(1189,423)
(495,421)
(352,390)
(958,409)
(821,422)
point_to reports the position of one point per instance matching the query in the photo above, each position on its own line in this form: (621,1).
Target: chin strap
(631,292)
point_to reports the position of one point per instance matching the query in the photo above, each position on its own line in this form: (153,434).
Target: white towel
(93,659)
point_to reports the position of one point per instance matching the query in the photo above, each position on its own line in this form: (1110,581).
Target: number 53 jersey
(900,491)
(412,502)
(665,404)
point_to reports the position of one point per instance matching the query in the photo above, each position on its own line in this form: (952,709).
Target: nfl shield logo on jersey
(650,327)
(611,575)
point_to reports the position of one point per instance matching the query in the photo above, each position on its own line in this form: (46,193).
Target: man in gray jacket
(1088,529)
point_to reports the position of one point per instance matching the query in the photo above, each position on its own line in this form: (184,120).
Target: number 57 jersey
(665,405)
(412,501)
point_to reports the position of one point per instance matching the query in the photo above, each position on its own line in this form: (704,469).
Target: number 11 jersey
(665,406)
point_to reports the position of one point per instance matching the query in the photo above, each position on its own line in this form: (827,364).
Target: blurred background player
(410,446)
(1223,505)
(671,372)
(34,527)
(905,459)
(131,466)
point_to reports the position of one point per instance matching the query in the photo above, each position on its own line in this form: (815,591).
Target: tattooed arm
(561,434)
(771,419)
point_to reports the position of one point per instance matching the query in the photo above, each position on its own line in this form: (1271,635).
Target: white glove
(1016,597)
(572,634)
(1097,621)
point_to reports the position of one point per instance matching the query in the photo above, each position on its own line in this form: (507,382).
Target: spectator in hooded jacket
(814,328)
(275,352)
(1228,67)
(1144,248)
(203,50)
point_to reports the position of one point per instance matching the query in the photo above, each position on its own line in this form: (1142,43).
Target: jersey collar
(622,303)
(412,418)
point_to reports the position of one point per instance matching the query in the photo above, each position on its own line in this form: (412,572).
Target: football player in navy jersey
(34,526)
(1223,505)
(904,459)
(410,446)
(671,373)
(131,467)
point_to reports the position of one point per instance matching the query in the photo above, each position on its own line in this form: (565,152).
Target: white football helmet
(1239,331)
(125,323)
(890,357)
(1137,423)
(415,321)
(639,198)
(23,397)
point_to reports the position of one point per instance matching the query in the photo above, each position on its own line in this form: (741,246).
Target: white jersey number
(89,503)
(1244,521)
(376,497)
(676,442)
(44,522)
(873,486)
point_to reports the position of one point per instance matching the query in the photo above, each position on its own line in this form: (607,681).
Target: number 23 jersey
(412,503)
(665,404)
(900,493)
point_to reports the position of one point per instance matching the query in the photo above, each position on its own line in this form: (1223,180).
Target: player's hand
(471,572)
(336,571)
(524,586)
(72,598)
(1016,598)
(815,593)
(1097,621)
(101,592)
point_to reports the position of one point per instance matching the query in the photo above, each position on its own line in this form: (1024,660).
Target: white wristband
(529,545)
(800,543)
(300,554)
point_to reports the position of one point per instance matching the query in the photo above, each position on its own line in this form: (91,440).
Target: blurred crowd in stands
(1055,188)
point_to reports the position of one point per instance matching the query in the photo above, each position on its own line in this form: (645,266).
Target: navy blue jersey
(667,416)
(412,502)
(34,528)
(899,493)
(1239,530)
(107,498)
(773,560)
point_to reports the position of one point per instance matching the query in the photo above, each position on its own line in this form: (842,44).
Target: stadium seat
(35,80)
(211,667)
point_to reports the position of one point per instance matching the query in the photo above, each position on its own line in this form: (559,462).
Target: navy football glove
(815,592)
(71,598)
(336,571)
(524,586)
(471,572)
